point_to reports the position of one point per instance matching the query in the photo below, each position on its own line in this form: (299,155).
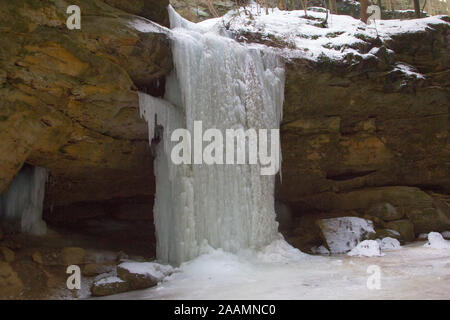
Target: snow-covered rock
(436,241)
(109,285)
(366,248)
(344,233)
(140,275)
(389,243)
(306,37)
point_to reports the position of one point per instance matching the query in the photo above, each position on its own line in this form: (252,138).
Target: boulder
(446,235)
(404,227)
(141,275)
(108,286)
(426,212)
(436,241)
(434,217)
(10,283)
(6,254)
(37,257)
(386,212)
(383,233)
(379,223)
(342,234)
(389,244)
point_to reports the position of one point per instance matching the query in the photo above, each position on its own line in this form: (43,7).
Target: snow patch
(408,70)
(280,251)
(307,38)
(108,280)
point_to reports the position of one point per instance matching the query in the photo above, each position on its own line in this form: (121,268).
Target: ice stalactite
(21,205)
(226,85)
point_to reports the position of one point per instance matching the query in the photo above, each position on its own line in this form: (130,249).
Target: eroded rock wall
(68,98)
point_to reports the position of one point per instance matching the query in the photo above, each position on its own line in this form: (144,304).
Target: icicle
(22,205)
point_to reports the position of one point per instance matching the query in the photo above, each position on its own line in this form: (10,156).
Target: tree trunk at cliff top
(364,6)
(417,8)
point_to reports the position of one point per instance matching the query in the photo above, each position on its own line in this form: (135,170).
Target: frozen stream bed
(412,272)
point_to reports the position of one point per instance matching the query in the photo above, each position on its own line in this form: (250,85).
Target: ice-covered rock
(344,233)
(366,248)
(389,243)
(436,241)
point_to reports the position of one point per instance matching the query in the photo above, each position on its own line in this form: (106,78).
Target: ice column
(21,205)
(226,85)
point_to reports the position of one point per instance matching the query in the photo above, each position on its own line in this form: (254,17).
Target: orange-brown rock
(69,97)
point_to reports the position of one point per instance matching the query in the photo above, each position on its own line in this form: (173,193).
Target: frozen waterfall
(226,85)
(22,204)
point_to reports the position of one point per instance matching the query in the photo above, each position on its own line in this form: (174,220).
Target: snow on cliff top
(307,39)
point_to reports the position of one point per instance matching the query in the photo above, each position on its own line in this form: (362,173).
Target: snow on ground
(308,39)
(411,273)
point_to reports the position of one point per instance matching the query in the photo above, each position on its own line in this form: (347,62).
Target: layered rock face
(355,127)
(69,97)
